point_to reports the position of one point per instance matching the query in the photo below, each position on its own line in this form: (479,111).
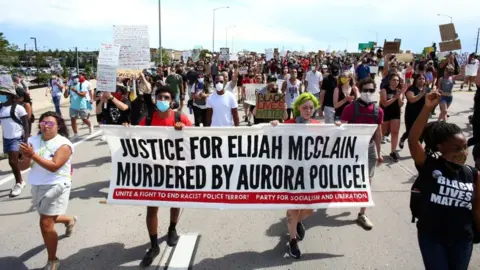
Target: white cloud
(297,23)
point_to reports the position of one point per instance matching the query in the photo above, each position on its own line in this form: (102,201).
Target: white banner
(259,167)
(251,90)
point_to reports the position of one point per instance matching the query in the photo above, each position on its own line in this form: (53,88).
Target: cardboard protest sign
(447,32)
(263,167)
(404,57)
(391,47)
(450,45)
(270,106)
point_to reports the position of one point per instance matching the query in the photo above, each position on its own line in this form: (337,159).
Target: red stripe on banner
(241,197)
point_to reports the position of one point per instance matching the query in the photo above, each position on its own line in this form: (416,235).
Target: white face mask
(219,87)
(200,80)
(367,97)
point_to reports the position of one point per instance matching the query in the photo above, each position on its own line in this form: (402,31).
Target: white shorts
(51,200)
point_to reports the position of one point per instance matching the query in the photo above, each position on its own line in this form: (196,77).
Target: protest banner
(260,167)
(134,50)
(453,45)
(251,91)
(447,32)
(270,106)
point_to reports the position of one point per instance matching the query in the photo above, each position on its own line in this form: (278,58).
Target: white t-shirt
(46,149)
(222,106)
(472,68)
(232,88)
(313,80)
(11,129)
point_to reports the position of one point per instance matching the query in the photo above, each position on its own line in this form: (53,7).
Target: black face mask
(335,72)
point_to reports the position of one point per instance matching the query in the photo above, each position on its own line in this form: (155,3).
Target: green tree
(165,58)
(8,53)
(203,53)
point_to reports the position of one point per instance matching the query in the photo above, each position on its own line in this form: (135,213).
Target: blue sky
(254,25)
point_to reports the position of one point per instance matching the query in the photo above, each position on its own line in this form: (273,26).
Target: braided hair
(436,133)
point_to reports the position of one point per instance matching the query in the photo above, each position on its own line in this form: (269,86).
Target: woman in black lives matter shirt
(449,200)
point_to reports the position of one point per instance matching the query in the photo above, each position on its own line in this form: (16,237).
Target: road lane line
(11,177)
(183,252)
(167,254)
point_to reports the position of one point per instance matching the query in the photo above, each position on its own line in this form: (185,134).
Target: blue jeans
(56,102)
(439,254)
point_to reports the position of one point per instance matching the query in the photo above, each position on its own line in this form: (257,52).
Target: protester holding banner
(365,111)
(391,101)
(303,109)
(344,94)
(49,155)
(163,116)
(449,198)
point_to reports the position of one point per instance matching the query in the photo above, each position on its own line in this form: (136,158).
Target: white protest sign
(260,167)
(374,69)
(107,78)
(186,55)
(109,54)
(224,54)
(251,90)
(135,46)
(6,81)
(268,54)
(242,70)
(233,57)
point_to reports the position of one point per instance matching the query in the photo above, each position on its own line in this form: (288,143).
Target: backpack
(12,115)
(416,200)
(151,111)
(357,113)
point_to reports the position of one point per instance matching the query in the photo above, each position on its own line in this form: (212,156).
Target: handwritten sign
(135,47)
(447,32)
(270,106)
(6,81)
(224,54)
(450,45)
(109,54)
(251,91)
(107,78)
(391,47)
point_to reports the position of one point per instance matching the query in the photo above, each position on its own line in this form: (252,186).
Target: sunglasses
(163,97)
(310,108)
(369,90)
(47,124)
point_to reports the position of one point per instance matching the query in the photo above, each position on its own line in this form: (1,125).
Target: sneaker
(384,140)
(293,249)
(17,189)
(394,156)
(74,137)
(150,256)
(172,238)
(69,227)
(363,221)
(52,265)
(300,231)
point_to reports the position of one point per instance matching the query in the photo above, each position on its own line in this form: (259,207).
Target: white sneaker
(17,189)
(74,137)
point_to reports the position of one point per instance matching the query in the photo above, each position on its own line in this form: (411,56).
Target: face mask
(76,81)
(163,106)
(219,87)
(335,72)
(458,158)
(366,97)
(200,80)
(312,68)
(344,80)
(230,66)
(3,99)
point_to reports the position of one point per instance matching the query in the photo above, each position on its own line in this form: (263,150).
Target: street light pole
(445,15)
(160,31)
(476,45)
(213,35)
(36,57)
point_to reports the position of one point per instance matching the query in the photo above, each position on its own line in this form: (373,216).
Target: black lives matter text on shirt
(265,175)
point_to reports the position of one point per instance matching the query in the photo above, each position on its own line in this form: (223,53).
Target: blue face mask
(163,106)
(3,99)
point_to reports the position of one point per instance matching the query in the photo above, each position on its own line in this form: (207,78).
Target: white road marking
(160,258)
(183,252)
(11,177)
(162,264)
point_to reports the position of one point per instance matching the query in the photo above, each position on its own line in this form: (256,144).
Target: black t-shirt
(114,116)
(329,84)
(447,199)
(192,77)
(415,108)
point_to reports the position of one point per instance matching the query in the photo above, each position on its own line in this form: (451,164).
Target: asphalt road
(115,237)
